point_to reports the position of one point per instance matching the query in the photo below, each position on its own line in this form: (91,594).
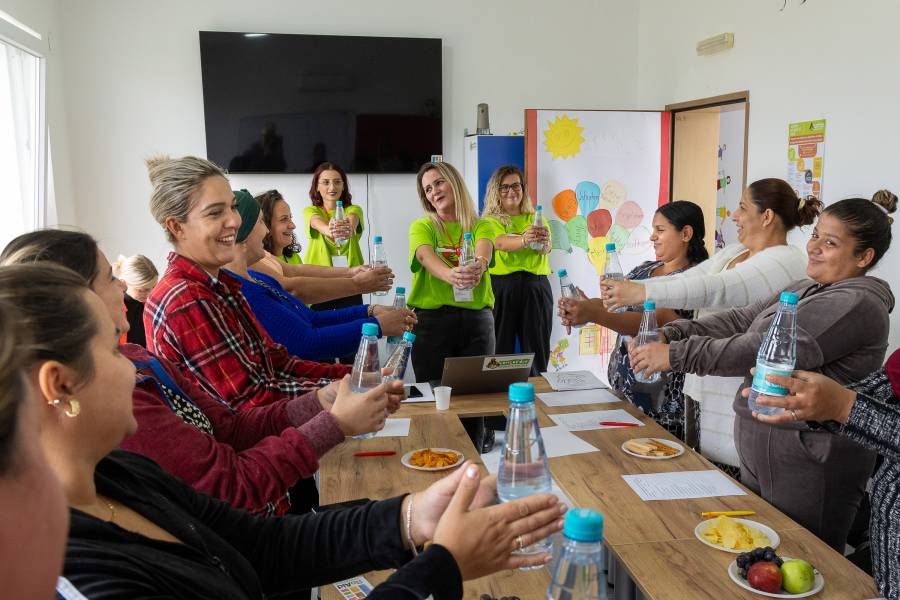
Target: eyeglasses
(512,187)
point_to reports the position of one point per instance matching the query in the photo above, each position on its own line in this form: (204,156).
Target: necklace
(112,510)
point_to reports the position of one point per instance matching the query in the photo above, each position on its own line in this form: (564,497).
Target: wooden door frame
(723,100)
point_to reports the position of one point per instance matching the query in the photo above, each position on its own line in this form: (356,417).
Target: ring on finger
(520,543)
(793,414)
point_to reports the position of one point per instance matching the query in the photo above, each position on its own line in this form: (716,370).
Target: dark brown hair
(73,249)
(314,194)
(867,221)
(267,202)
(779,197)
(12,386)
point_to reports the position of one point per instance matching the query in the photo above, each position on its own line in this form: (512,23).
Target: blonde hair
(137,271)
(492,205)
(466,214)
(176,182)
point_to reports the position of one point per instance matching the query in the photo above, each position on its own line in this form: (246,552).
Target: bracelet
(486,262)
(409,539)
(371,311)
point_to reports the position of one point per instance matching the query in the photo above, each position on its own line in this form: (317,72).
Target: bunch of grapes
(747,559)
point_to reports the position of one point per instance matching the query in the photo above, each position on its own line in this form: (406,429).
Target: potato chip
(732,534)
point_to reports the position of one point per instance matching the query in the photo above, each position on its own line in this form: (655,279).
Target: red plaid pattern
(205,326)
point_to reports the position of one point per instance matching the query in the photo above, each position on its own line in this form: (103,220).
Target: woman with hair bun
(140,276)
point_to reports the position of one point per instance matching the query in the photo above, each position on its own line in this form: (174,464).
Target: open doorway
(709,159)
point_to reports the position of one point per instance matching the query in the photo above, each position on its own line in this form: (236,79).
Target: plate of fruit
(736,535)
(765,573)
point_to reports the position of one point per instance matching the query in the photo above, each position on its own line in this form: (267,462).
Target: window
(22,141)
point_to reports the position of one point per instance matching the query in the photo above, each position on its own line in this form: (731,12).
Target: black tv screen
(287,103)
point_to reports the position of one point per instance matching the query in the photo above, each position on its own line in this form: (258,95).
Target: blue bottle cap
(539,207)
(649,305)
(339,203)
(377,239)
(467,236)
(562,273)
(400,290)
(789,297)
(521,392)
(409,336)
(369,329)
(583,525)
(611,247)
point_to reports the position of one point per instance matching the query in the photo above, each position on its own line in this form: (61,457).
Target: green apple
(797,576)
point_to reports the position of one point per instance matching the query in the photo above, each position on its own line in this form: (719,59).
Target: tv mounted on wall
(286,103)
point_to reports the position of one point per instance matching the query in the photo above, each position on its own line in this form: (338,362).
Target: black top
(228,553)
(134,310)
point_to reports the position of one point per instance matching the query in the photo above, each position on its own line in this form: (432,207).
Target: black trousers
(450,331)
(523,310)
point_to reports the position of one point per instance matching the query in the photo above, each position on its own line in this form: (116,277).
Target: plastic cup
(442,397)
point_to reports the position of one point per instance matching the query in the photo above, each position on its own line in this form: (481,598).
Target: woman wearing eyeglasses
(523,301)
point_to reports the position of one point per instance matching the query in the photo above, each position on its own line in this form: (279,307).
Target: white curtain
(21,182)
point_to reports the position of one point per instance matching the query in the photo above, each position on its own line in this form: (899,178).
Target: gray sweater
(842,331)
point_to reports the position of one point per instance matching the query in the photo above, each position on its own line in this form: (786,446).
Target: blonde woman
(523,301)
(140,276)
(451,323)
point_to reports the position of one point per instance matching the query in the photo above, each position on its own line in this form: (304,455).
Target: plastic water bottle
(399,358)
(647,334)
(379,258)
(577,573)
(523,467)
(339,216)
(777,354)
(366,372)
(538,222)
(467,251)
(399,302)
(567,289)
(612,269)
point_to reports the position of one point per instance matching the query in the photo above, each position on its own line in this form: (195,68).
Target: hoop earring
(74,407)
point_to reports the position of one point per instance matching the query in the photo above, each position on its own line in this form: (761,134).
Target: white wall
(824,59)
(133,84)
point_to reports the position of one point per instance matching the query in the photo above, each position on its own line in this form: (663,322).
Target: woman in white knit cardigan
(761,264)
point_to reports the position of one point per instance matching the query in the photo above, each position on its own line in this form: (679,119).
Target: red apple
(765,576)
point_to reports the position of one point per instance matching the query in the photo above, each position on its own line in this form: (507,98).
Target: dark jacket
(230,554)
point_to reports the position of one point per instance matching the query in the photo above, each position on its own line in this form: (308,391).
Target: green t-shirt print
(320,249)
(525,259)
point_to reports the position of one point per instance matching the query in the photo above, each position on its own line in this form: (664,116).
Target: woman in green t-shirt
(329,185)
(523,306)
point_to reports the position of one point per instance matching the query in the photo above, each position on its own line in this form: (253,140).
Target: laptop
(485,374)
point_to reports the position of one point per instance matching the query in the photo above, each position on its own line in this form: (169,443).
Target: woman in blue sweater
(307,334)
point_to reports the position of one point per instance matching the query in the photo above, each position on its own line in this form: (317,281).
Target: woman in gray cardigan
(814,476)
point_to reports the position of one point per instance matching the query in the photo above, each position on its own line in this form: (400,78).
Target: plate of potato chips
(432,459)
(736,535)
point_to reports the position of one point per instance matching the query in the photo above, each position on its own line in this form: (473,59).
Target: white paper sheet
(394,428)
(680,485)
(559,441)
(425,388)
(585,421)
(573,380)
(577,397)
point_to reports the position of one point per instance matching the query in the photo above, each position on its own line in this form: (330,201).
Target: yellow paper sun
(564,137)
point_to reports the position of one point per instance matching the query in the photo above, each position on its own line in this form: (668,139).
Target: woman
(313,335)
(280,242)
(759,265)
(867,412)
(261,459)
(196,316)
(140,277)
(677,237)
(816,477)
(449,323)
(34,524)
(138,532)
(329,185)
(523,301)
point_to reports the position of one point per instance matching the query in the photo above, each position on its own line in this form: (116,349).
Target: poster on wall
(806,153)
(600,176)
(730,177)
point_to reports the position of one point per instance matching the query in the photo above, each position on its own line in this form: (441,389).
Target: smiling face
(439,193)
(669,243)
(511,191)
(330,186)
(111,291)
(749,219)
(832,252)
(282,226)
(207,235)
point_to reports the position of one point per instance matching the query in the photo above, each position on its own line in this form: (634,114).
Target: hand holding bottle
(358,413)
(649,358)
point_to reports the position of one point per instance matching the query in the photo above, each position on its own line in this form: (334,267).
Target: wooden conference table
(653,541)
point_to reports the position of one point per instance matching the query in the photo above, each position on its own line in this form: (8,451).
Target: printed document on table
(394,428)
(585,421)
(562,381)
(559,441)
(577,397)
(681,485)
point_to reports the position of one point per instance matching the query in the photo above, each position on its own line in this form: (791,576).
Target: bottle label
(763,386)
(462,295)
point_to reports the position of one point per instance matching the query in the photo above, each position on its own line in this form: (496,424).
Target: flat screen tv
(278,103)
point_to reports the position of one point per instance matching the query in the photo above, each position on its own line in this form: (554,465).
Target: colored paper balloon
(578,234)
(612,195)
(588,195)
(599,222)
(619,235)
(597,252)
(565,204)
(629,215)
(559,236)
